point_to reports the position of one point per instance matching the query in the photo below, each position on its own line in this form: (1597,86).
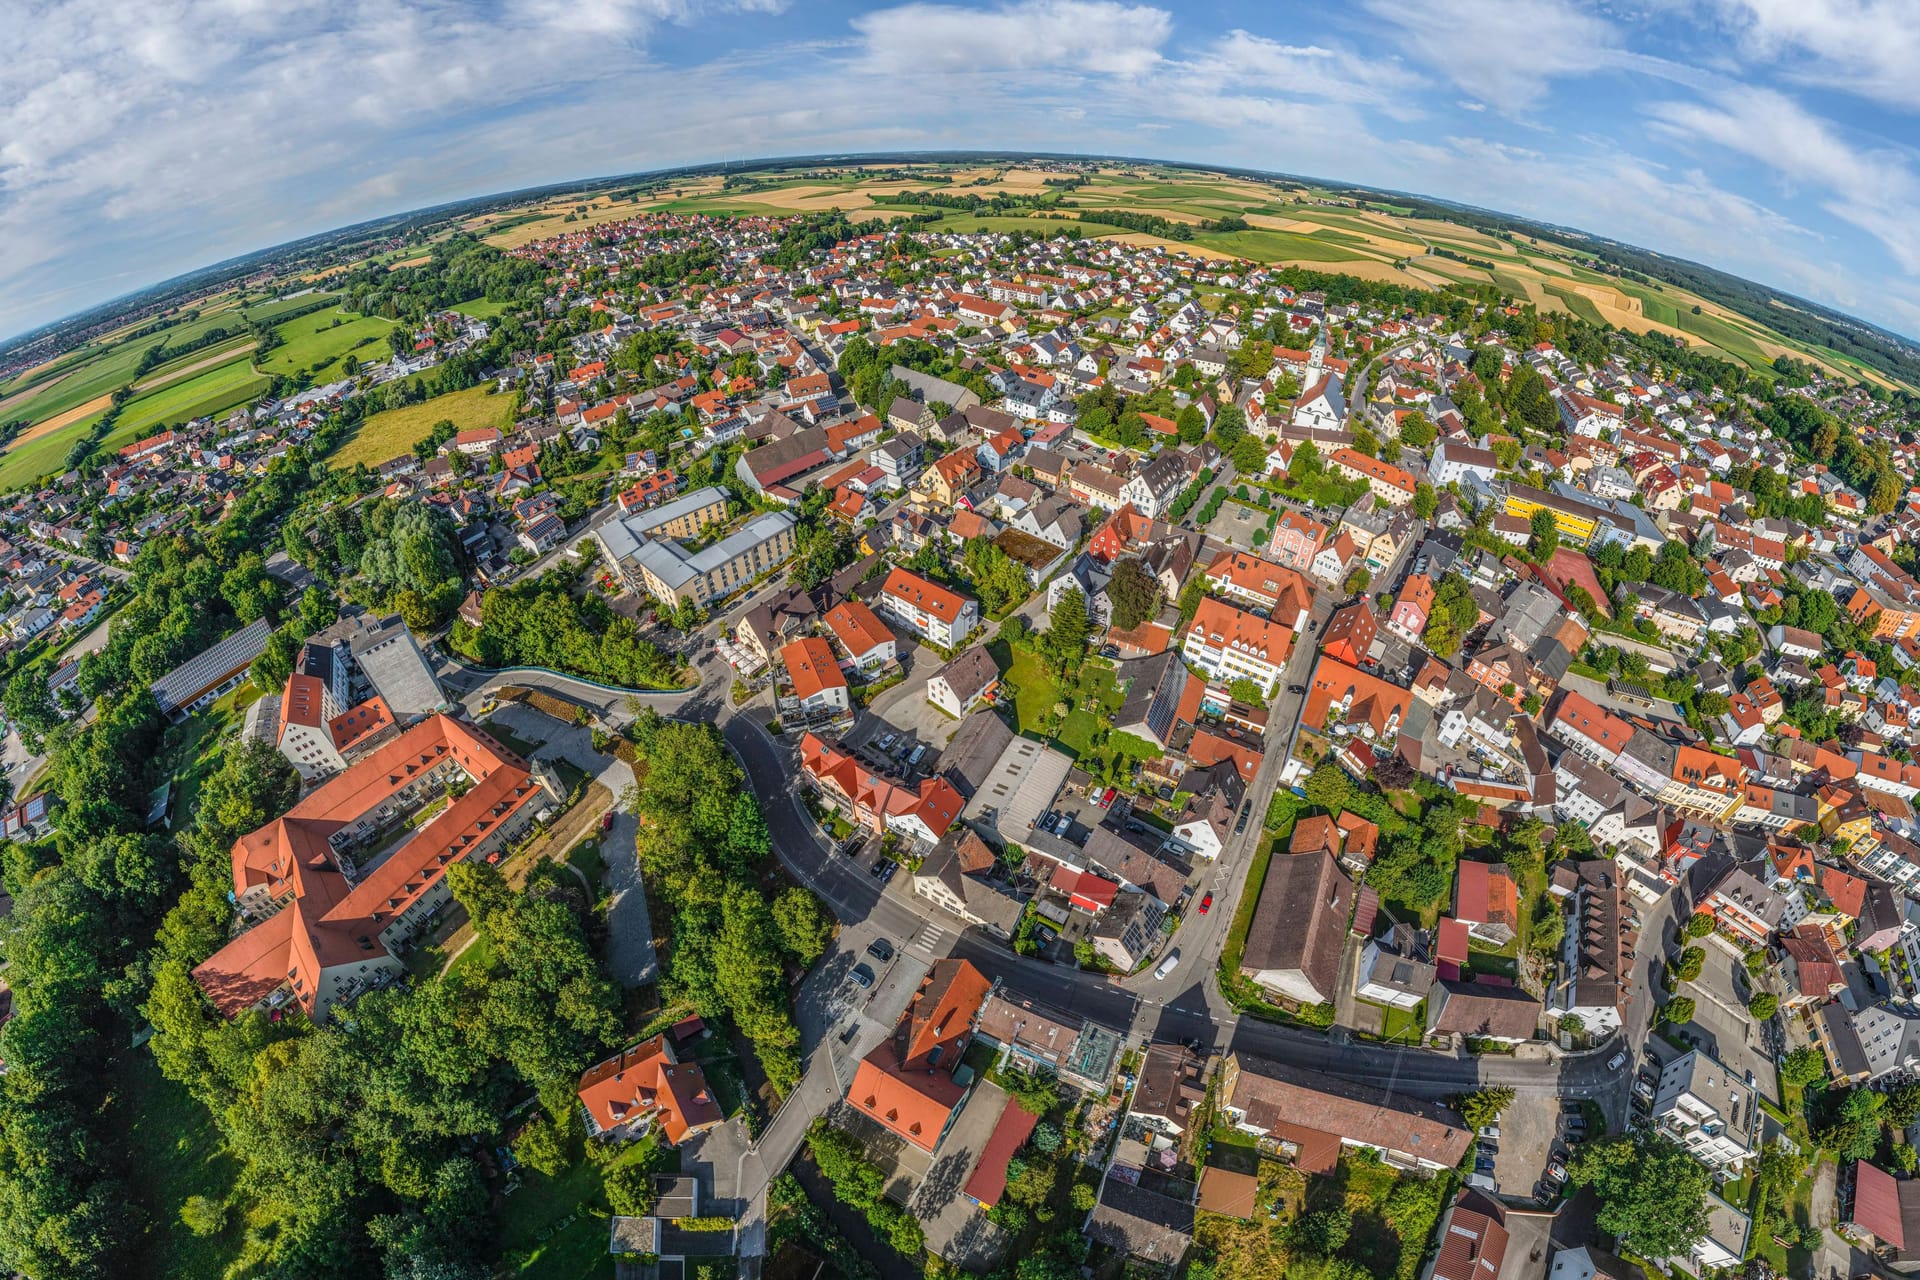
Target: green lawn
(316,342)
(1095,699)
(173,1152)
(1263,245)
(95,370)
(387,435)
(480,308)
(556,1228)
(194,748)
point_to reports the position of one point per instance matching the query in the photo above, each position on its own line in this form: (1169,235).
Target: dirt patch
(567,830)
(196,367)
(21,397)
(96,405)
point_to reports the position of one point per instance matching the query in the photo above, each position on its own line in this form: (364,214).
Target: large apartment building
(928,609)
(1232,644)
(325,929)
(650,560)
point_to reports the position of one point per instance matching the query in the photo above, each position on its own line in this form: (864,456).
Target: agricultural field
(317,343)
(390,434)
(60,400)
(1288,225)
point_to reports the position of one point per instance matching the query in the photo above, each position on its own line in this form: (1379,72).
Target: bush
(630,1191)
(204,1216)
(1046,1137)
(540,1148)
(1083,1197)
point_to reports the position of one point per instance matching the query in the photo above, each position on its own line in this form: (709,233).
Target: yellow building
(1575,521)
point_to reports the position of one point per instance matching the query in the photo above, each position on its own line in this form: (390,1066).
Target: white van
(1166,966)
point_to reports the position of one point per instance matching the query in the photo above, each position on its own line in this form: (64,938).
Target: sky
(1776,139)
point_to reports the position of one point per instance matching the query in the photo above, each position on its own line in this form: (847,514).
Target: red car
(1107,799)
(1206,903)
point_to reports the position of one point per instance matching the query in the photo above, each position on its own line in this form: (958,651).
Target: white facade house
(1709,1110)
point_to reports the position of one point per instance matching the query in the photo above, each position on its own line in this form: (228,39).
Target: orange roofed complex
(921,814)
(908,1083)
(643,1085)
(328,929)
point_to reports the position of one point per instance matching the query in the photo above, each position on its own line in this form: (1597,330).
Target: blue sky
(1778,139)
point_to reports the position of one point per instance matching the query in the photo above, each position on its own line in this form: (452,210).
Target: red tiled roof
(812,667)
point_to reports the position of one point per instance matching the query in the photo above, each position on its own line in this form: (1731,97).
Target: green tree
(1699,925)
(203,1215)
(805,927)
(1192,424)
(1678,1010)
(1763,1006)
(1329,787)
(1652,1193)
(1692,960)
(541,1147)
(1134,594)
(1068,628)
(1544,538)
(1483,1106)
(1803,1066)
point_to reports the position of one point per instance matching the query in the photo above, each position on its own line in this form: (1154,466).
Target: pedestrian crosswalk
(928,939)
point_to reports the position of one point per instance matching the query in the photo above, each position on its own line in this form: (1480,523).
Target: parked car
(886,743)
(1617,1061)
(1166,966)
(1483,1164)
(1490,1131)
(880,949)
(863,975)
(887,869)
(1107,799)
(1206,904)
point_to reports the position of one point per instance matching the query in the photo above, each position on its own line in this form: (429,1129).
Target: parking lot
(1534,1132)
(1236,524)
(1721,1025)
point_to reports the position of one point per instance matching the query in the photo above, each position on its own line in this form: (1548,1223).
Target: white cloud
(1505,52)
(1099,36)
(1875,189)
(1865,47)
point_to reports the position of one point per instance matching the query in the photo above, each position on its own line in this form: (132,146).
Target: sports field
(390,434)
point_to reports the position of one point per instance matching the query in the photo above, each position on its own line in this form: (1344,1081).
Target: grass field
(481,309)
(175,1152)
(210,392)
(317,342)
(390,434)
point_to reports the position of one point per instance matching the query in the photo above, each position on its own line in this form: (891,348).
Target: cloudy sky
(1778,139)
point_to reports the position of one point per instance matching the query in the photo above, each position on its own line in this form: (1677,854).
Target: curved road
(1187,1005)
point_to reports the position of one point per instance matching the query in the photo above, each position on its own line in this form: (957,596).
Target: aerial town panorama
(1021,715)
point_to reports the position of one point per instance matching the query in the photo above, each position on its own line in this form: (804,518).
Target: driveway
(1720,1023)
(630,953)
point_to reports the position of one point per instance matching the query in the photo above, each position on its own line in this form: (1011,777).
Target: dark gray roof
(211,666)
(1142,1223)
(976,746)
(969,673)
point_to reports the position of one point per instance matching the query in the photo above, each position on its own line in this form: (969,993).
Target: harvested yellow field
(96,405)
